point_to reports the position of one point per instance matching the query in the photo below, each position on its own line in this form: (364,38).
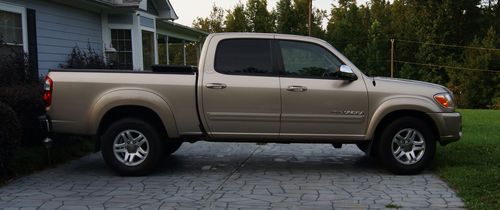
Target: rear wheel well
(121,112)
(396,115)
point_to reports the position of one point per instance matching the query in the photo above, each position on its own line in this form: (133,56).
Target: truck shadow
(205,159)
(289,158)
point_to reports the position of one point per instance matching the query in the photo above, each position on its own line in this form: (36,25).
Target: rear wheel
(407,145)
(131,147)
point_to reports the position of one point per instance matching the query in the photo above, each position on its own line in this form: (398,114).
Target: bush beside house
(21,148)
(86,59)
(20,105)
(9,136)
(20,90)
(26,101)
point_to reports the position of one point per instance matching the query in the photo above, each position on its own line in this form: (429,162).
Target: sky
(188,10)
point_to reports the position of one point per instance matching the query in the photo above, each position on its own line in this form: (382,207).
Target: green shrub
(26,101)
(10,134)
(15,67)
(20,90)
(496,103)
(85,59)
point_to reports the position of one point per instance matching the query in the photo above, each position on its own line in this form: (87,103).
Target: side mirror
(346,73)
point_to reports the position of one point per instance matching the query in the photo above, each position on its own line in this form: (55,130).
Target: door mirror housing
(346,73)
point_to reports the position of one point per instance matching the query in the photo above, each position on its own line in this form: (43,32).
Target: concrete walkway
(231,176)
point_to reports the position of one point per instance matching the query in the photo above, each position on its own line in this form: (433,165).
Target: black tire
(403,126)
(154,146)
(172,147)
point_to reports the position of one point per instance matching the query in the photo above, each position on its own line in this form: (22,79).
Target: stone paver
(231,176)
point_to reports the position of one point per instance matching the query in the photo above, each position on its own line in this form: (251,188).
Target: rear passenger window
(244,57)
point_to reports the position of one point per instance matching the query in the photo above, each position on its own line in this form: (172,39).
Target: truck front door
(317,103)
(241,92)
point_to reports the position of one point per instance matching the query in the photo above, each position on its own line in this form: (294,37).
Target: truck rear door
(241,91)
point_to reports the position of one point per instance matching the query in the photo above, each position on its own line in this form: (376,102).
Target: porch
(138,41)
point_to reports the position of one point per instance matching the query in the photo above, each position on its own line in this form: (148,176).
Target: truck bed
(176,89)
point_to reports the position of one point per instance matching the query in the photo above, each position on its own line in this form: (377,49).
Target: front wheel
(131,147)
(407,145)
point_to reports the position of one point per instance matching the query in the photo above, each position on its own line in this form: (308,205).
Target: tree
(377,51)
(317,25)
(476,89)
(260,20)
(212,24)
(348,32)
(236,21)
(301,14)
(285,17)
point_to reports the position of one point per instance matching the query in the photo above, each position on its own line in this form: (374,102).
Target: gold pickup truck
(252,87)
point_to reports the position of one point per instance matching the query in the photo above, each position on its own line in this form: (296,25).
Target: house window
(11,32)
(176,51)
(162,49)
(148,49)
(122,42)
(192,53)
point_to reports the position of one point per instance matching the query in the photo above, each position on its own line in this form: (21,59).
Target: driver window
(302,59)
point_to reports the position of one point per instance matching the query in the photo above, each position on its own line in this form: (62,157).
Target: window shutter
(32,42)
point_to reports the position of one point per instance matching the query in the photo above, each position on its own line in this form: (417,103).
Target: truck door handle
(294,88)
(216,85)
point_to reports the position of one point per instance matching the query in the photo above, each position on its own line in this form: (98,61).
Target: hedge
(10,134)
(26,101)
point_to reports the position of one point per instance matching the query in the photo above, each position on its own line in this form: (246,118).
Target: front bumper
(449,126)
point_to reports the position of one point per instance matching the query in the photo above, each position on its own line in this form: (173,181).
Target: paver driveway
(231,175)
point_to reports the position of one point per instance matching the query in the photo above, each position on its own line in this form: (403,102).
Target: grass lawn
(472,165)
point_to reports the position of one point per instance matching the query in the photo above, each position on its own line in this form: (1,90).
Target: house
(133,33)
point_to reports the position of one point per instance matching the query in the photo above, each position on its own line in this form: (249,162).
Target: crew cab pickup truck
(251,87)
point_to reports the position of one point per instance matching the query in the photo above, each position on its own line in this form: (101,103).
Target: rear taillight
(47,91)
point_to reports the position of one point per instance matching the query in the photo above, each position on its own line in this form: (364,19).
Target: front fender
(133,97)
(413,103)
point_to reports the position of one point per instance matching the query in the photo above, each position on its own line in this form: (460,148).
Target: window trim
(281,64)
(274,73)
(24,20)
